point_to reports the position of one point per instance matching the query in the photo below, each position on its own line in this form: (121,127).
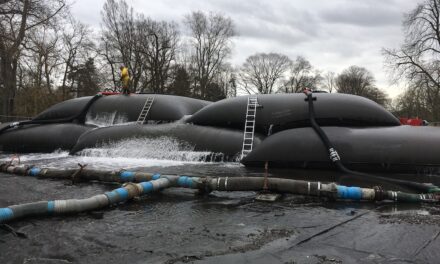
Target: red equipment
(411,121)
(109,93)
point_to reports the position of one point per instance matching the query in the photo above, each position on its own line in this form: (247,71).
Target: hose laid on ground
(55,207)
(154,182)
(335,158)
(159,182)
(80,118)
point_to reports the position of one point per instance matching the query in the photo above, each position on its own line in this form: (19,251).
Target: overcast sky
(331,34)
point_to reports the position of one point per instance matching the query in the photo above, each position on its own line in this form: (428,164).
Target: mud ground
(180,226)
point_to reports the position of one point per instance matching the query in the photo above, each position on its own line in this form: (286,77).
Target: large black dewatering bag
(66,109)
(41,138)
(285,111)
(400,148)
(164,108)
(212,139)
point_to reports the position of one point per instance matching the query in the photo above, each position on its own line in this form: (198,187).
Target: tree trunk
(8,74)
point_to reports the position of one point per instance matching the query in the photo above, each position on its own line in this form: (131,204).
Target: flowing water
(133,153)
(107,119)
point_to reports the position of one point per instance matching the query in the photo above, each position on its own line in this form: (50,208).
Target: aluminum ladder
(249,126)
(145,110)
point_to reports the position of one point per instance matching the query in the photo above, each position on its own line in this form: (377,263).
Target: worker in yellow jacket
(125,79)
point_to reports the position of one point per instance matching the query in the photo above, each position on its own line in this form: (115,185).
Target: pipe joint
(127,176)
(6,214)
(350,193)
(34,171)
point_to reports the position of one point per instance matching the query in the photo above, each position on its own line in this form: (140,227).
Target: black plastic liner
(164,108)
(41,138)
(402,148)
(285,111)
(216,140)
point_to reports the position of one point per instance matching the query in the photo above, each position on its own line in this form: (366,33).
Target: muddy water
(179,226)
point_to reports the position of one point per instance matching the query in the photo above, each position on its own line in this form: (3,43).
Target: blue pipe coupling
(6,214)
(127,176)
(185,181)
(34,171)
(351,193)
(117,196)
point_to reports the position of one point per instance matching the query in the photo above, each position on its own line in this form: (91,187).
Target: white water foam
(162,148)
(107,119)
(129,153)
(58,154)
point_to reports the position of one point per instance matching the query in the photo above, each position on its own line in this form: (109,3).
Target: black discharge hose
(79,118)
(334,156)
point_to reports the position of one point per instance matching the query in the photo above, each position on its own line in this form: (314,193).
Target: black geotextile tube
(332,151)
(79,117)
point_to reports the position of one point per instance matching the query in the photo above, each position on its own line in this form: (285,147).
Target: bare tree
(302,75)
(157,43)
(359,81)
(76,49)
(263,72)
(413,103)
(211,42)
(17,18)
(226,81)
(418,58)
(119,38)
(330,81)
(42,56)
